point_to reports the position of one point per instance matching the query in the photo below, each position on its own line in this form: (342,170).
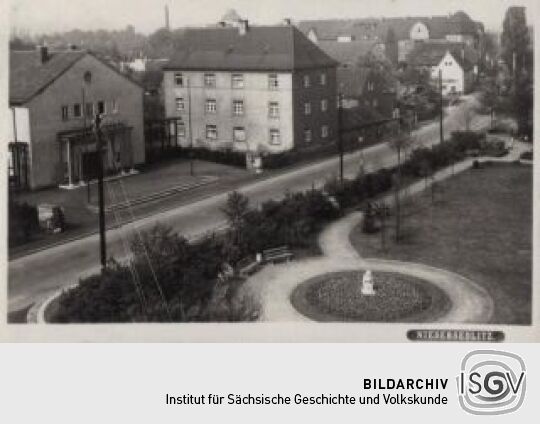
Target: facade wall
(291,96)
(468,39)
(46,115)
(404,48)
(314,95)
(19,124)
(453,78)
(256,96)
(419,31)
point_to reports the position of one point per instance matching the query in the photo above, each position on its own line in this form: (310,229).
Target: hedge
(23,223)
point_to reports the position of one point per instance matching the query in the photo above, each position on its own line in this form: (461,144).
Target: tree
(236,209)
(400,145)
(490,98)
(518,54)
(515,39)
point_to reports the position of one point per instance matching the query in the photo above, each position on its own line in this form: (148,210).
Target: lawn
(479,226)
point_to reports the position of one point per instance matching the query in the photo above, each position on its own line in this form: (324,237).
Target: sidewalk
(159,187)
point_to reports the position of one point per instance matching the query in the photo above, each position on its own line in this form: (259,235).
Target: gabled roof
(351,52)
(431,54)
(377,28)
(278,48)
(28,76)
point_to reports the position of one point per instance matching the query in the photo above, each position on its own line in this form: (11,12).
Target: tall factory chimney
(167,23)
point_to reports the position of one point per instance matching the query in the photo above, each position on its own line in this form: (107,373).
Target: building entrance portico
(79,158)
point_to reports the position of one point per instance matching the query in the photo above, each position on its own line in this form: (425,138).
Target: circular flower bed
(337,297)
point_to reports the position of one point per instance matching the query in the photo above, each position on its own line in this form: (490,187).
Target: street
(34,276)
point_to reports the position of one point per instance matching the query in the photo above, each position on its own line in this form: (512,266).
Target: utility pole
(441,107)
(340,137)
(99,148)
(83,110)
(191,170)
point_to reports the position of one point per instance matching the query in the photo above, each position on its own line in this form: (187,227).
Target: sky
(45,16)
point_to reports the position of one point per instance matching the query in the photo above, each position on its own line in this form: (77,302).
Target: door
(90,165)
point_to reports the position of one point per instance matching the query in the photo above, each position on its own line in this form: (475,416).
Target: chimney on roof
(243,27)
(43,52)
(287,21)
(222,24)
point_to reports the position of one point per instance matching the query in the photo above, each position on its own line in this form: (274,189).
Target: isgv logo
(491,382)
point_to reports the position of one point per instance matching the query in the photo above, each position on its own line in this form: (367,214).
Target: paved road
(34,276)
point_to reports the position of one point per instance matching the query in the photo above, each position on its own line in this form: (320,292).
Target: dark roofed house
(361,75)
(251,88)
(54,96)
(458,27)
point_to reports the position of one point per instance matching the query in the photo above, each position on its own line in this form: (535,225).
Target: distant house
(361,77)
(405,32)
(54,98)
(251,88)
(456,62)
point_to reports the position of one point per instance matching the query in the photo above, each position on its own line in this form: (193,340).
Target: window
(114,106)
(307,81)
(370,86)
(180,130)
(180,105)
(375,103)
(324,131)
(273,82)
(89,109)
(237,81)
(101,107)
(324,105)
(77,112)
(275,138)
(307,108)
(65,113)
(209,80)
(239,134)
(238,107)
(308,136)
(210,106)
(211,132)
(273,110)
(323,79)
(179,79)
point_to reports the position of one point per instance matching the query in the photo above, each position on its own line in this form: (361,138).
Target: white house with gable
(456,62)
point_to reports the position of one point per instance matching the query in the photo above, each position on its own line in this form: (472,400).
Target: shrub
(23,223)
(168,279)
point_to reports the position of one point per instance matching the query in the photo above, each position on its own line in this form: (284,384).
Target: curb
(36,314)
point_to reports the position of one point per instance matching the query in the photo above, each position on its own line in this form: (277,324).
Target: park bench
(247,266)
(277,254)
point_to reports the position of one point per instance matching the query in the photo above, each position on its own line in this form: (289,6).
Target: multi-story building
(261,88)
(54,98)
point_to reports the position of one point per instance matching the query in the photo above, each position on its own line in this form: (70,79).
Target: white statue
(367,284)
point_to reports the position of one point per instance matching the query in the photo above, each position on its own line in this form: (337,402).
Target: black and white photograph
(352,169)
